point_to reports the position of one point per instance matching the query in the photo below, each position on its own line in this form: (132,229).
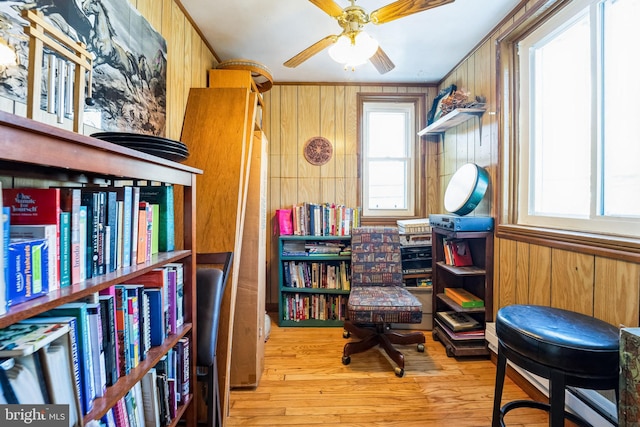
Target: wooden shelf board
(312,258)
(312,323)
(461,348)
(457,307)
(471,270)
(453,119)
(307,237)
(314,291)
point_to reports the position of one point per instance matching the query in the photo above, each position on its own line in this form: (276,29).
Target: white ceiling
(424,46)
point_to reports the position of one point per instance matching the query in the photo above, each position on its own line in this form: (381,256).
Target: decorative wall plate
(318,150)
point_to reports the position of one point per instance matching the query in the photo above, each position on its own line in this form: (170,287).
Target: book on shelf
(179,269)
(109,338)
(460,252)
(284,222)
(4,260)
(323,219)
(82,237)
(47,232)
(78,310)
(26,272)
(182,367)
(70,201)
(95,202)
(65,249)
(123,330)
(458,321)
(97,349)
(22,380)
(476,335)
(163,197)
(74,353)
(150,399)
(141,250)
(464,298)
(36,206)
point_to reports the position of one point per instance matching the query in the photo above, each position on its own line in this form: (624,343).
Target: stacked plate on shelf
(162,147)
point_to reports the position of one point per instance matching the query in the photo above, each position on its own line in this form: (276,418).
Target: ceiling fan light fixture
(352,53)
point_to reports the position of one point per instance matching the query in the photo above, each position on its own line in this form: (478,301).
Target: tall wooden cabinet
(40,154)
(222,130)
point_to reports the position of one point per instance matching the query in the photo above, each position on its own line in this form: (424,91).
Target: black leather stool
(567,348)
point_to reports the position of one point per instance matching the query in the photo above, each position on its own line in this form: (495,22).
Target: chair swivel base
(538,405)
(381,335)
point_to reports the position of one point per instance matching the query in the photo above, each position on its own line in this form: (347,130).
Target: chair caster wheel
(345,333)
(346,360)
(399,372)
(420,348)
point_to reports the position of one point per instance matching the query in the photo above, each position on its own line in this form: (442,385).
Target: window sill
(610,246)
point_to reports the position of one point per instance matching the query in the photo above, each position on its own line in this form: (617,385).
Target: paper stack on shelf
(414,226)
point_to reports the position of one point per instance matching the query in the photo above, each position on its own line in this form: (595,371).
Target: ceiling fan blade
(402,8)
(329,6)
(381,61)
(310,51)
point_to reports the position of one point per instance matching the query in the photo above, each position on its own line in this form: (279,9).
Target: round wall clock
(318,150)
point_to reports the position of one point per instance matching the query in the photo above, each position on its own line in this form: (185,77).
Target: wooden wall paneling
(328,130)
(351,120)
(215,126)
(339,194)
(308,126)
(572,281)
(289,191)
(617,292)
(507,277)
(539,275)
(340,149)
(522,273)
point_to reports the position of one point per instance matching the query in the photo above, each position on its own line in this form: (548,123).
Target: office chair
(210,285)
(378,297)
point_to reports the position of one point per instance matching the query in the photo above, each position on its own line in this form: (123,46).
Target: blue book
(6,222)
(79,311)
(156,316)
(65,249)
(70,202)
(74,351)
(27,268)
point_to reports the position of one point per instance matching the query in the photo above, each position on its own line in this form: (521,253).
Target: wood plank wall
(296,112)
(529,273)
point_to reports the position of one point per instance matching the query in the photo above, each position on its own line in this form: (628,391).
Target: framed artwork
(436,108)
(129,60)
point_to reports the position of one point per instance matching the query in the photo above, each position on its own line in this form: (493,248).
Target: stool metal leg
(501,368)
(556,399)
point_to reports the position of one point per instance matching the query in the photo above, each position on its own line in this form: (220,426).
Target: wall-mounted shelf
(454,118)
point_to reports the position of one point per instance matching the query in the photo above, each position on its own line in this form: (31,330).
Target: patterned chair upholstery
(378,297)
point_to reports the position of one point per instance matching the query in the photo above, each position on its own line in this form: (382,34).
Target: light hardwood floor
(305,384)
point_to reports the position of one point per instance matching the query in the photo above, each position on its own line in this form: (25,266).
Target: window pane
(387,185)
(387,134)
(561,116)
(621,94)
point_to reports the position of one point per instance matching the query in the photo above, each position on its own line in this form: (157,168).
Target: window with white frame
(579,149)
(388,159)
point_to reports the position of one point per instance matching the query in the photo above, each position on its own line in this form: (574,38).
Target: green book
(162,195)
(65,249)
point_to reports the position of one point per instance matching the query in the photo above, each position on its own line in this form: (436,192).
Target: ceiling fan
(353,18)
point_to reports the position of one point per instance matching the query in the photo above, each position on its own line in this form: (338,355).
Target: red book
(36,206)
(461,253)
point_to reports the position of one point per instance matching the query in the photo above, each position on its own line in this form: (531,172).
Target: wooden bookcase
(477,279)
(38,152)
(285,292)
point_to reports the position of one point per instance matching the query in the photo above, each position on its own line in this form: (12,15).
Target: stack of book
(331,275)
(460,325)
(464,298)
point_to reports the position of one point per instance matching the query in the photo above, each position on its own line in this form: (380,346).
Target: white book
(97,350)
(150,399)
(139,404)
(48,232)
(57,365)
